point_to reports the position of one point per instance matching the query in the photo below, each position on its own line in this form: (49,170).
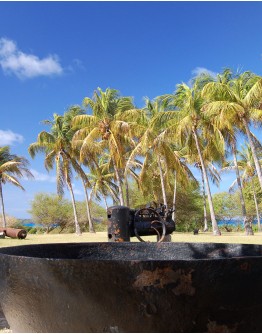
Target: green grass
(227,237)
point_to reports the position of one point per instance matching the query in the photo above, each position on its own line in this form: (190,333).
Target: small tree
(51,211)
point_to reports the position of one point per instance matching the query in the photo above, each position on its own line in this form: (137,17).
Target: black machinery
(124,223)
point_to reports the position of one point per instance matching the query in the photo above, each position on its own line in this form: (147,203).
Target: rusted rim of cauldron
(133,252)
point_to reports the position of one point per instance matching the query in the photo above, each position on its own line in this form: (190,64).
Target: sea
(233,222)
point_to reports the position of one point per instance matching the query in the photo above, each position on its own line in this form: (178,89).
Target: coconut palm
(58,150)
(247,166)
(12,167)
(106,127)
(160,159)
(102,182)
(236,103)
(187,123)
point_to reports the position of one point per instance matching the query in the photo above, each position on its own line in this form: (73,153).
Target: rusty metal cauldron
(132,287)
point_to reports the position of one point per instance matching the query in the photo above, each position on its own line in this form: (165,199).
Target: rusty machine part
(14,232)
(132,287)
(124,223)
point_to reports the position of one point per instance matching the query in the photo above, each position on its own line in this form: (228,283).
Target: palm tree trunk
(162,182)
(105,201)
(174,200)
(254,154)
(77,226)
(242,201)
(256,205)
(127,191)
(2,206)
(90,223)
(204,200)
(210,202)
(119,183)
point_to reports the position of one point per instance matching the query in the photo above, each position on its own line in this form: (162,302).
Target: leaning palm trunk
(174,200)
(105,201)
(204,201)
(210,202)
(119,183)
(256,205)
(247,226)
(127,191)
(88,212)
(253,150)
(162,182)
(77,227)
(2,205)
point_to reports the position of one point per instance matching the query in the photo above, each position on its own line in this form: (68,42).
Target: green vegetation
(53,213)
(12,167)
(142,155)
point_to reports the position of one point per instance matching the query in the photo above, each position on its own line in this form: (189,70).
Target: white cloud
(42,177)
(14,61)
(9,138)
(202,70)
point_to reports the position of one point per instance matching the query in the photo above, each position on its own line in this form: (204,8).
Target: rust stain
(119,240)
(185,284)
(164,276)
(213,327)
(245,266)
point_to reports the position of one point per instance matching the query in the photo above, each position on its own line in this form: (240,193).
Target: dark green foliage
(189,209)
(189,206)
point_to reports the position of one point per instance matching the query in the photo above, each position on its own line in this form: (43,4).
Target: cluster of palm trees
(155,145)
(12,167)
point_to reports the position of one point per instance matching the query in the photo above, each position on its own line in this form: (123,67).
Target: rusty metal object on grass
(124,223)
(14,232)
(132,287)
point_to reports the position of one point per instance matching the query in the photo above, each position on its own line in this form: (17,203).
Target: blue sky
(53,54)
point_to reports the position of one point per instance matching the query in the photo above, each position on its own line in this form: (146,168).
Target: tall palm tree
(229,134)
(156,150)
(12,167)
(247,166)
(102,182)
(58,150)
(236,102)
(186,122)
(106,127)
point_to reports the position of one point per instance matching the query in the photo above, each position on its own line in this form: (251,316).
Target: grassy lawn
(227,237)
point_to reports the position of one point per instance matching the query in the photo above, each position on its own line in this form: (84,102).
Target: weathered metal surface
(118,223)
(3,322)
(14,232)
(132,287)
(124,223)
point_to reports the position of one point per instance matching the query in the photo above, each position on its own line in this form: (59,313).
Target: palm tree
(236,103)
(160,159)
(57,147)
(186,122)
(11,168)
(247,166)
(102,182)
(105,129)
